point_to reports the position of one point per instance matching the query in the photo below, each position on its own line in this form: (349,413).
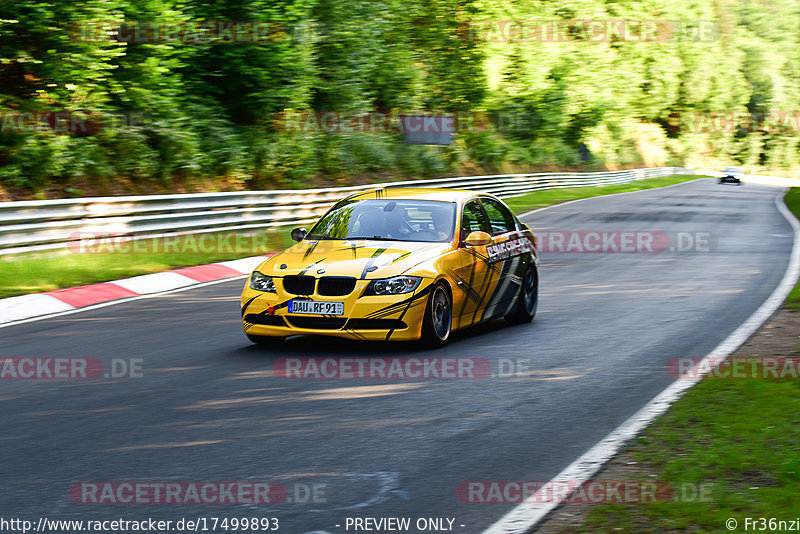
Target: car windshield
(398,220)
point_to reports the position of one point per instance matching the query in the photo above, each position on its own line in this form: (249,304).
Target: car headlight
(262,282)
(393,286)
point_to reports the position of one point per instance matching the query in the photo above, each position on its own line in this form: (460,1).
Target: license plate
(312,307)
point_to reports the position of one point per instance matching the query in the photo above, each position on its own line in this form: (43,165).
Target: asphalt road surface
(208,407)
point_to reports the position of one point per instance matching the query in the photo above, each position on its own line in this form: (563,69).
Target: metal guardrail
(29,226)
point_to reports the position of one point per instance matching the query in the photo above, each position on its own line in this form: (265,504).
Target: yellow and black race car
(397,264)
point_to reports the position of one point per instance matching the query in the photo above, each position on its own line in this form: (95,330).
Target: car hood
(359,258)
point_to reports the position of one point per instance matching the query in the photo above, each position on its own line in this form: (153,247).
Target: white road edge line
(527,515)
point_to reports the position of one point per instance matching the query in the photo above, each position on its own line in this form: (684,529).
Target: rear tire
(265,341)
(438,321)
(527,300)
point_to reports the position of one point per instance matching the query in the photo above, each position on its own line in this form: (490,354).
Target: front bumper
(373,317)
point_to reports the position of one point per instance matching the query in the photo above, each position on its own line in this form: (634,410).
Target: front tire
(265,341)
(438,321)
(527,300)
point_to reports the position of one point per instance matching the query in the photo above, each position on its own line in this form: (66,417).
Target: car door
(503,255)
(475,275)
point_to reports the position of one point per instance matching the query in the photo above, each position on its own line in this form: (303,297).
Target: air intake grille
(299,285)
(336,286)
(321,323)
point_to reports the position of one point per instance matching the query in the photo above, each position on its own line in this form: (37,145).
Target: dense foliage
(163,111)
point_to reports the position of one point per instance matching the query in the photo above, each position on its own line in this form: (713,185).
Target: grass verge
(736,438)
(541,199)
(792,200)
(21,275)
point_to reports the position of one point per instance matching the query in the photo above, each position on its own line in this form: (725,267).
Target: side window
(473,219)
(500,219)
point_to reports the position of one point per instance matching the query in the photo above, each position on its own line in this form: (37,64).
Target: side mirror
(478,239)
(298,234)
